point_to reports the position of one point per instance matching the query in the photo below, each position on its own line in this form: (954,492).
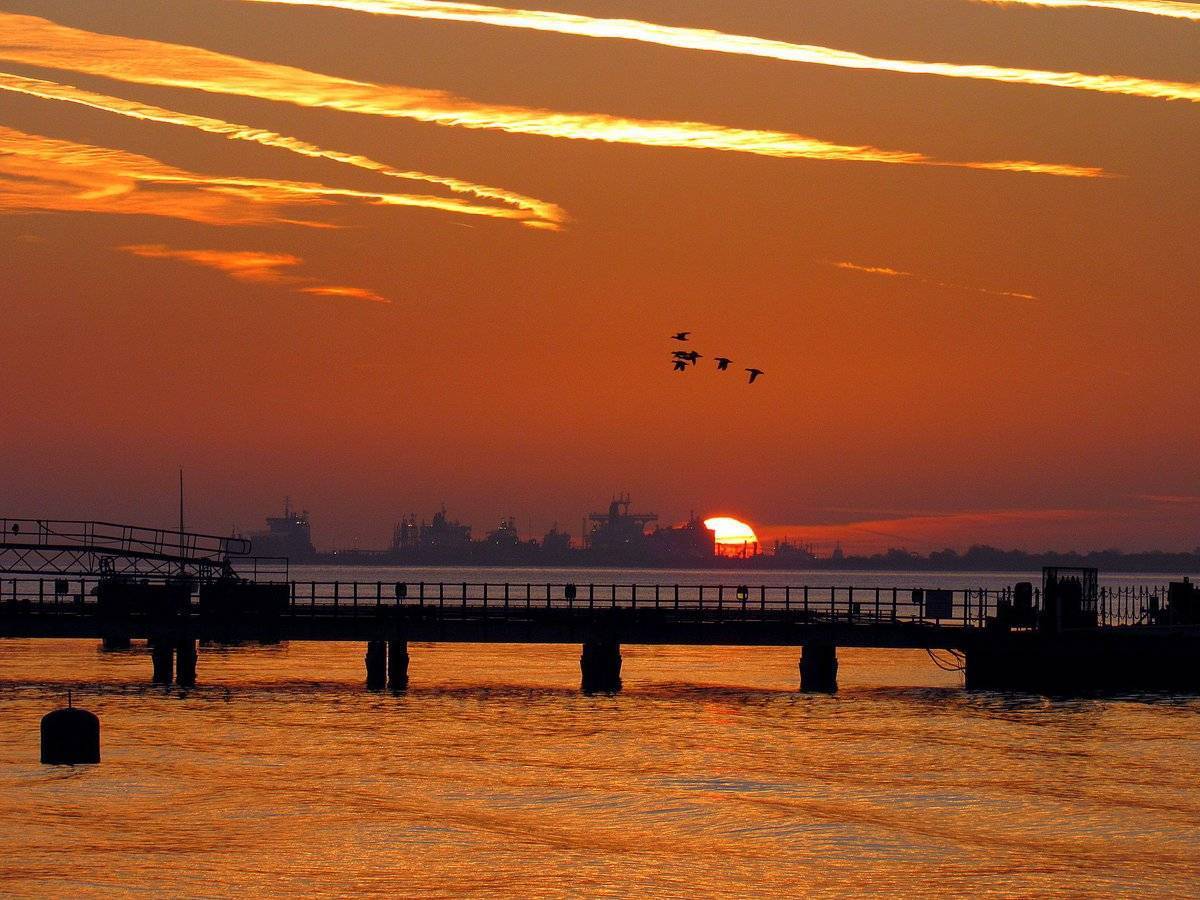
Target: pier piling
(818,668)
(600,665)
(397,664)
(185,662)
(376,660)
(162,655)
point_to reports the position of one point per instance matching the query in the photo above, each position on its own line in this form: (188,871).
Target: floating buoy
(70,736)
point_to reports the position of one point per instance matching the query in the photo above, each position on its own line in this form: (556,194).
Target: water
(492,775)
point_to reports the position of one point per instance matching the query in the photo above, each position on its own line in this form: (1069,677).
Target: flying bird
(691,356)
(754,373)
(722,363)
(681,335)
(680,365)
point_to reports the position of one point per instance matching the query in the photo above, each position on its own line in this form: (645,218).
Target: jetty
(180,591)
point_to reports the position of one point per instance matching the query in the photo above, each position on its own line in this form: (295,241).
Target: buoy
(70,736)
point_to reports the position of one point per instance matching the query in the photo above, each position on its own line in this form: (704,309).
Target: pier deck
(1130,645)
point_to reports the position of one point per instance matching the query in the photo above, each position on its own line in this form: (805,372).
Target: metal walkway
(81,549)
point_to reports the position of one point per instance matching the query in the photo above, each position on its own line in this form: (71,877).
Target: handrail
(120,539)
(971,607)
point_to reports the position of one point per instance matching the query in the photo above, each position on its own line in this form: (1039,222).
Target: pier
(1069,634)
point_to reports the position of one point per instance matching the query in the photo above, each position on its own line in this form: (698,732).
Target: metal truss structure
(44,547)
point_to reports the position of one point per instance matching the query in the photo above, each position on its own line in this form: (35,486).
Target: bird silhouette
(681,335)
(754,373)
(722,363)
(691,356)
(681,365)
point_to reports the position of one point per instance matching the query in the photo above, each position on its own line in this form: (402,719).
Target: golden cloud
(745,45)
(36,41)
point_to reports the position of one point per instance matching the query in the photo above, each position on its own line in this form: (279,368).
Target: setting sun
(730,531)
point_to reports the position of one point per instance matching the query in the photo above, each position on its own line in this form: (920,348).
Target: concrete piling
(397,664)
(185,662)
(818,668)
(162,654)
(376,660)
(600,666)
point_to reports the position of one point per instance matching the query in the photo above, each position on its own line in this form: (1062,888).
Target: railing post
(876,606)
(614,595)
(894,604)
(787,598)
(677,596)
(633,596)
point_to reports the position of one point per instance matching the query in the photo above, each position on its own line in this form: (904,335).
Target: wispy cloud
(719,42)
(936,529)
(39,42)
(243,265)
(45,174)
(337,290)
(899,273)
(1167,8)
(100,174)
(251,266)
(530,210)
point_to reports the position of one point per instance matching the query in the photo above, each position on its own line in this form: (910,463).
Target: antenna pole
(181,520)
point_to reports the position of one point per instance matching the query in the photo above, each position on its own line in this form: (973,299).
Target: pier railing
(967,607)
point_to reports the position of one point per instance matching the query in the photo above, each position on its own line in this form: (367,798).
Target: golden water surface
(709,775)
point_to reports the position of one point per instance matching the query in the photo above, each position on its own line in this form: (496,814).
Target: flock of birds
(683,358)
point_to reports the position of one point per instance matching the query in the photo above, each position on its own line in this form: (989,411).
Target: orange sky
(952,353)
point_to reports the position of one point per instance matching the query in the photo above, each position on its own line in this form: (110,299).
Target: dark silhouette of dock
(1069,634)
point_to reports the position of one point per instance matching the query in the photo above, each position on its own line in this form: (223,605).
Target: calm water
(708,775)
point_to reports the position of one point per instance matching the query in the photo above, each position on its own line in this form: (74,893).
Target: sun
(729,532)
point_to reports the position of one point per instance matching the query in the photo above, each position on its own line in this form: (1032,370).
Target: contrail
(39,42)
(899,273)
(1190,11)
(720,42)
(252,266)
(532,211)
(104,180)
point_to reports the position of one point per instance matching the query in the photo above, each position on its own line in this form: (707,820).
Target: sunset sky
(379,255)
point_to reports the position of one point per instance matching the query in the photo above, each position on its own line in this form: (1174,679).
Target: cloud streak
(39,42)
(899,273)
(1189,11)
(531,211)
(45,174)
(745,45)
(253,266)
(108,180)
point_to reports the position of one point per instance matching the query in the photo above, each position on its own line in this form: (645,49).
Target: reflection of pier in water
(174,590)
